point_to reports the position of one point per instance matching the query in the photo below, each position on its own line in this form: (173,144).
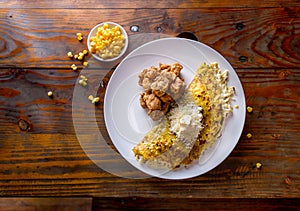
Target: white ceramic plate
(127,122)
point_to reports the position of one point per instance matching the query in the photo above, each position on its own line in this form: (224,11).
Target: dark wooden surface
(46,204)
(39,152)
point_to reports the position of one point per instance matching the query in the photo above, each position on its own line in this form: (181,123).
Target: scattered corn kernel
(70,54)
(95,100)
(79,36)
(249,135)
(91,97)
(82,82)
(74,67)
(258,165)
(80,57)
(85,64)
(249,109)
(236,106)
(76,56)
(50,94)
(83,77)
(108,41)
(85,52)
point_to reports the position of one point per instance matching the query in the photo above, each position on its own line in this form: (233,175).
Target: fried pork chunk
(163,85)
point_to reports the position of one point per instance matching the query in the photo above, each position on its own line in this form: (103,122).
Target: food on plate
(108,41)
(171,141)
(163,86)
(192,124)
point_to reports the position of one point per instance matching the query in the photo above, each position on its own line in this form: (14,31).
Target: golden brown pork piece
(163,85)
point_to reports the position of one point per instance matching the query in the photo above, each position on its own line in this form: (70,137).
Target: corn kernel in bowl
(107,41)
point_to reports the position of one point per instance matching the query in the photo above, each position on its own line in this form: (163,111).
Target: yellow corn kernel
(76,56)
(95,100)
(74,67)
(258,165)
(80,57)
(79,36)
(93,43)
(50,94)
(70,54)
(82,82)
(236,106)
(85,64)
(105,41)
(105,26)
(85,52)
(249,109)
(83,77)
(91,97)
(249,135)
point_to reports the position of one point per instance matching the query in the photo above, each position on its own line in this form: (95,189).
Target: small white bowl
(93,33)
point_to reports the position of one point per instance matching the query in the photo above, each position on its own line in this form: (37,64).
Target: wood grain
(45,204)
(247,37)
(140,203)
(54,165)
(274,93)
(48,160)
(42,153)
(186,4)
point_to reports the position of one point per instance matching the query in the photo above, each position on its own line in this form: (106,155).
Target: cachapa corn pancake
(193,123)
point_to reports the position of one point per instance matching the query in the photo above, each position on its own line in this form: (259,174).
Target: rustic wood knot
(24,125)
(134,28)
(159,29)
(288,181)
(239,26)
(243,58)
(284,74)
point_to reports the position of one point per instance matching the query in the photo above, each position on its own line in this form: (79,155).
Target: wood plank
(48,160)
(65,171)
(248,38)
(44,204)
(274,94)
(146,4)
(140,203)
(23,97)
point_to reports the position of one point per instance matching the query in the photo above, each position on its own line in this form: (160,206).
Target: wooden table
(40,155)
